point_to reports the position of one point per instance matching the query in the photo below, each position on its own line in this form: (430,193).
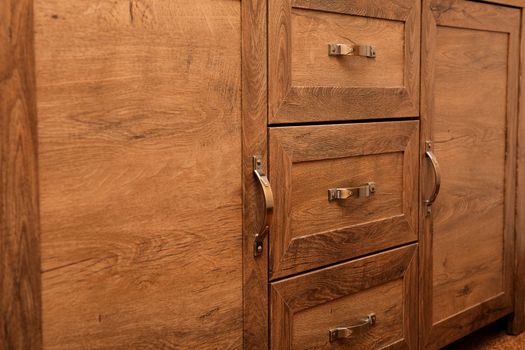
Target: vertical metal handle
(348,332)
(268,205)
(437,175)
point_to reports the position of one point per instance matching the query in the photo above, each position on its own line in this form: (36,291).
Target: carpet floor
(492,337)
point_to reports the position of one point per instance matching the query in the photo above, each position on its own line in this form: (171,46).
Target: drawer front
(377,162)
(369,303)
(308,83)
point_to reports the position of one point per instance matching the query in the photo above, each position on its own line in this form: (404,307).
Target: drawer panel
(378,162)
(306,83)
(312,66)
(373,298)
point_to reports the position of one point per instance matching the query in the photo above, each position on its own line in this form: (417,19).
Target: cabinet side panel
(20,316)
(517,321)
(140,146)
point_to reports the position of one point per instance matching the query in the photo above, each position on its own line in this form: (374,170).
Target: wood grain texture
(20,302)
(140,141)
(471,202)
(517,321)
(516,3)
(307,85)
(254,142)
(305,307)
(469,112)
(308,230)
(311,66)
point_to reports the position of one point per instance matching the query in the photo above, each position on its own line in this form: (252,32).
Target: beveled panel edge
(20,277)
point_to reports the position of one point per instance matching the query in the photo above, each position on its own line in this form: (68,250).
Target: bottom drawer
(368,303)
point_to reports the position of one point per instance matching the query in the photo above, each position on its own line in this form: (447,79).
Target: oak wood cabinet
(344,185)
(264,174)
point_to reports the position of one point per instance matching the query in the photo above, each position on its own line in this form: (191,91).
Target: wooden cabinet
(469,114)
(464,222)
(260,174)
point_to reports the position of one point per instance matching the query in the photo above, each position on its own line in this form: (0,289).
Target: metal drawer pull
(348,332)
(437,175)
(268,205)
(345,193)
(351,50)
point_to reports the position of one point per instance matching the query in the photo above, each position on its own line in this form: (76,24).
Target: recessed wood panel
(469,131)
(469,113)
(308,229)
(311,66)
(306,307)
(310,326)
(311,212)
(305,84)
(139,133)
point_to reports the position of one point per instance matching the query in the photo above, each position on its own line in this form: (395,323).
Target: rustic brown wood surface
(469,111)
(516,3)
(20,302)
(308,230)
(141,201)
(311,66)
(254,142)
(304,308)
(517,321)
(306,85)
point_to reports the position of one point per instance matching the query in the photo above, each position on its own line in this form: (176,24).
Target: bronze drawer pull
(353,50)
(348,332)
(268,205)
(437,175)
(348,192)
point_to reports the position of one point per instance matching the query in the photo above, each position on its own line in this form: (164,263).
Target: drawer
(308,84)
(377,161)
(369,303)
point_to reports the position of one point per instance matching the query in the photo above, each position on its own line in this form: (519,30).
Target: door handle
(348,192)
(351,50)
(268,205)
(437,175)
(348,332)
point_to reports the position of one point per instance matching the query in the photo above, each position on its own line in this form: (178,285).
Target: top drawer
(307,84)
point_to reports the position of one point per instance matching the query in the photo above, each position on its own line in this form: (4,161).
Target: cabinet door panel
(469,113)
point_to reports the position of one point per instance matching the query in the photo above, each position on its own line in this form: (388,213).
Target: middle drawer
(341,191)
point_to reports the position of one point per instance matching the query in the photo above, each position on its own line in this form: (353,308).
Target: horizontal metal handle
(348,192)
(268,205)
(348,332)
(353,50)
(437,175)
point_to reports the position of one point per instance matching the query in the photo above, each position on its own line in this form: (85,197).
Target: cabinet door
(469,113)
(308,82)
